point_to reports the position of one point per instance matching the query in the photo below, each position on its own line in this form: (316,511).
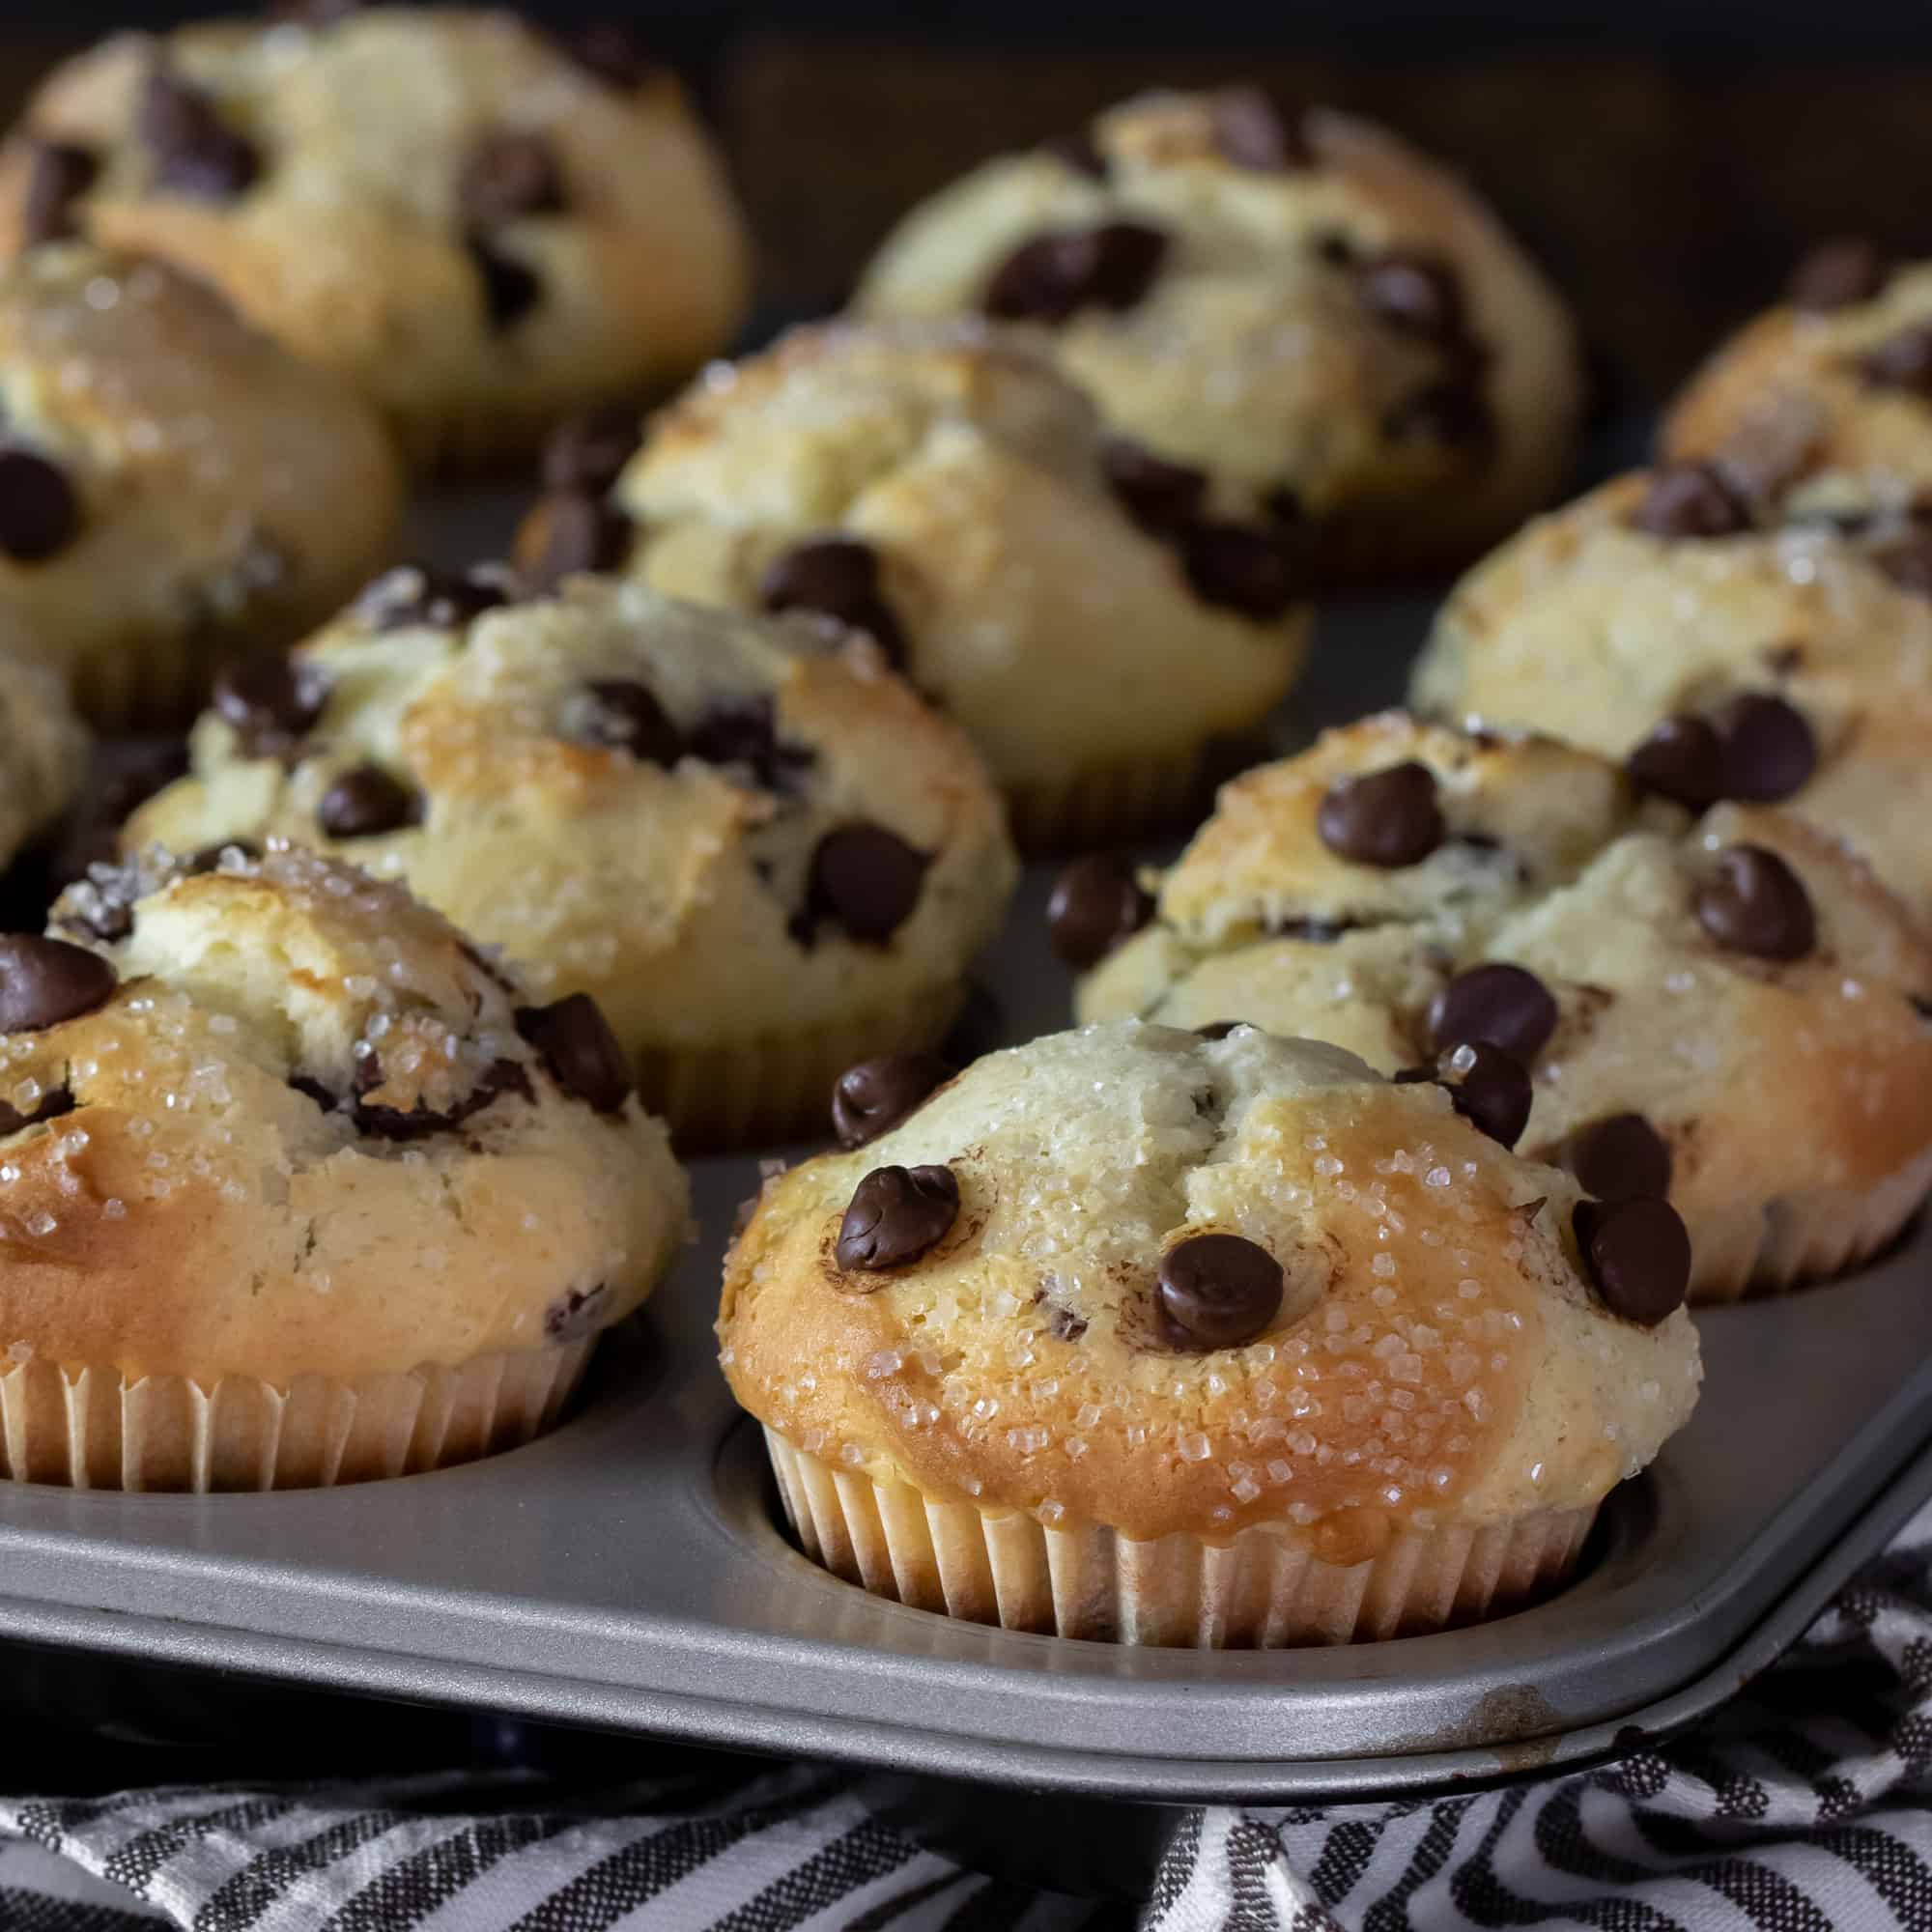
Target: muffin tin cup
(93,1428)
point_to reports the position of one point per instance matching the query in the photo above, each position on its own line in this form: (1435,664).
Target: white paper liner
(90,1427)
(1262,1590)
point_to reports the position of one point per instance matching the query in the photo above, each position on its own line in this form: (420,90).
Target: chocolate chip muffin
(1134,1335)
(479,227)
(1093,626)
(1291,318)
(173,485)
(745,839)
(1731,1013)
(297,1187)
(1726,645)
(1832,388)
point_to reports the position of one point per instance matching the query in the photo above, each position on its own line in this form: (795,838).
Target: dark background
(1668,164)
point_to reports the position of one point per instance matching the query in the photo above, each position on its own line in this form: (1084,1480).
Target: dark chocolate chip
(59,175)
(1063,1325)
(195,152)
(44,982)
(445,600)
(1902,362)
(507,175)
(576,1314)
(613,54)
(875,1096)
(270,699)
(1252,132)
(867,879)
(1638,1255)
(1921,1005)
(1620,1159)
(745,732)
(1681,760)
(39,513)
(1504,1005)
(836,577)
(582,533)
(1254,572)
(1078,150)
(625,717)
(1908,562)
(1389,818)
(590,451)
(1095,905)
(1486,1085)
(897,1215)
(1159,496)
(1839,275)
(1769,751)
(1692,499)
(1055,276)
(1336,249)
(575,1041)
(1454,413)
(1217,1292)
(1755,903)
(1418,294)
(366,802)
(312,1088)
(50,1106)
(509,289)
(1312,931)
(418,1123)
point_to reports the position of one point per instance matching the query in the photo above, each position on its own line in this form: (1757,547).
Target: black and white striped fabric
(1805,1807)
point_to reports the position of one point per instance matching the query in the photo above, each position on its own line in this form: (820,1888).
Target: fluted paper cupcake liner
(1260,1590)
(92,1428)
(770,1086)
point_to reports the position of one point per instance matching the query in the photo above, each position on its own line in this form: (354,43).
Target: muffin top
(272,1118)
(167,470)
(462,215)
(1190,1285)
(1833,385)
(1301,307)
(943,489)
(715,825)
(43,754)
(1671,598)
(1741,984)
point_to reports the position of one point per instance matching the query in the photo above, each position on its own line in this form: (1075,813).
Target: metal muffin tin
(629,1572)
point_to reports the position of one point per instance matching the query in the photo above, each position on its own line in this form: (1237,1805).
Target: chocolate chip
(365,803)
(44,982)
(613,54)
(576,1314)
(195,152)
(1756,905)
(1218,1029)
(1418,294)
(1908,562)
(1501,1004)
(272,701)
(1053,277)
(1692,499)
(1335,249)
(1234,567)
(1486,1085)
(745,732)
(897,1215)
(1312,931)
(1681,760)
(1389,818)
(1159,496)
(625,717)
(1063,1325)
(1095,905)
(1078,150)
(40,514)
(1839,275)
(1454,413)
(418,1123)
(591,451)
(1769,751)
(1217,1292)
(582,533)
(207,859)
(574,1041)
(507,175)
(1902,362)
(836,577)
(444,601)
(1637,1256)
(866,878)
(50,1106)
(313,1090)
(1783,660)
(1252,132)
(875,1096)
(57,178)
(509,289)
(1620,1159)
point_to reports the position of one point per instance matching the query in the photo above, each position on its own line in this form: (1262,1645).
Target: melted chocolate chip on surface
(1095,905)
(574,1041)
(506,175)
(1486,1085)
(194,152)
(625,717)
(59,175)
(418,1123)
(897,1215)
(874,1096)
(50,1106)
(1051,278)
(366,802)
(44,982)
(1507,1005)
(1637,1256)
(1217,1292)
(1620,1159)
(1755,903)
(1162,498)
(745,732)
(1839,275)
(272,701)
(836,577)
(40,511)
(1691,500)
(1255,573)
(1389,818)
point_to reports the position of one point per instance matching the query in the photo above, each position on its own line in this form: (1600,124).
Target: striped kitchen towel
(1805,1806)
